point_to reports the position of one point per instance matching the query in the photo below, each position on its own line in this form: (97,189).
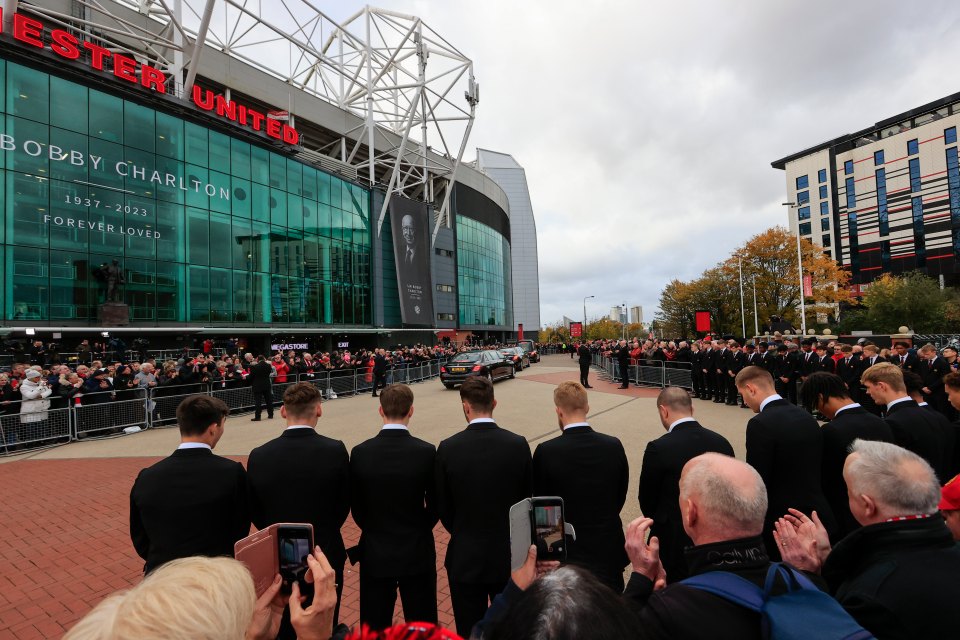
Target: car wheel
(513,373)
(448,386)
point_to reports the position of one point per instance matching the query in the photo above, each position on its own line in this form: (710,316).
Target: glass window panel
(309,183)
(912,147)
(260,203)
(278,207)
(310,219)
(174,182)
(198,236)
(279,298)
(73,151)
(139,226)
(171,243)
(240,244)
(195,183)
(260,247)
(240,197)
(28,93)
(822,175)
(104,173)
(170,136)
(221,295)
(295,214)
(140,291)
(220,238)
(139,127)
(198,297)
(30,154)
(259,165)
(170,285)
(139,170)
(323,187)
(220,183)
(196,137)
(106,112)
(240,159)
(278,171)
(70,276)
(219,148)
(950,135)
(68,105)
(27,203)
(294,177)
(27,285)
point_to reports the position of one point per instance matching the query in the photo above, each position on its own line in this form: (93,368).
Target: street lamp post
(756,319)
(584,330)
(623,321)
(803,307)
(743,315)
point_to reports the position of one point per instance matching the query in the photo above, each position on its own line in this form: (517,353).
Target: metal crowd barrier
(648,373)
(26,425)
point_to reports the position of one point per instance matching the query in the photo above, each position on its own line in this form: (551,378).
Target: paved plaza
(64,529)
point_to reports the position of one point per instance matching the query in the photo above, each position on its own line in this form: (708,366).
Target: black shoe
(270,417)
(743,406)
(255,420)
(623,387)
(718,401)
(375,396)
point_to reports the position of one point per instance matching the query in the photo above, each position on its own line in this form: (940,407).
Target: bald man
(663,462)
(723,503)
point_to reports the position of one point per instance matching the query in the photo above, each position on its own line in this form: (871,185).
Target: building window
(950,135)
(802,182)
(848,167)
(878,158)
(824,208)
(803,213)
(445,316)
(854,242)
(445,288)
(885,254)
(883,217)
(803,197)
(824,224)
(825,240)
(851,194)
(953,185)
(919,242)
(915,183)
(822,176)
(912,147)
(444,252)
(804,228)
(823,191)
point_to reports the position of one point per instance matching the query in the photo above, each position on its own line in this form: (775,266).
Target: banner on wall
(411,252)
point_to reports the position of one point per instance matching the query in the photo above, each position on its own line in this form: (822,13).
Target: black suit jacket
(849,373)
(192,503)
(302,476)
(393,500)
(584,353)
(260,376)
(589,471)
(927,433)
(785,446)
(912,362)
(825,364)
(838,435)
(659,495)
(481,472)
(933,376)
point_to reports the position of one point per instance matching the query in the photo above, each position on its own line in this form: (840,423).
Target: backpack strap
(729,586)
(791,577)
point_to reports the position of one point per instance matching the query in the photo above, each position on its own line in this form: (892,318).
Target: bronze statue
(112,275)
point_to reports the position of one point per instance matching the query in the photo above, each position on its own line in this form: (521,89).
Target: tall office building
(636,315)
(511,177)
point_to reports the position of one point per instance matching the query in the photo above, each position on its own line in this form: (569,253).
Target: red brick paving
(66,545)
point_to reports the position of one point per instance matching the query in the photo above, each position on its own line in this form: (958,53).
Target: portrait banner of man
(411,249)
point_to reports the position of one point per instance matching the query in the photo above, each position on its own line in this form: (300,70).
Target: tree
(913,300)
(675,317)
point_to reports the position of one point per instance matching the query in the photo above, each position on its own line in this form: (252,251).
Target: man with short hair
(379,370)
(583,351)
(480,473)
(904,358)
(393,501)
(663,462)
(723,502)
(785,446)
(191,503)
(589,470)
(848,421)
(897,574)
(932,369)
(869,358)
(926,433)
(302,458)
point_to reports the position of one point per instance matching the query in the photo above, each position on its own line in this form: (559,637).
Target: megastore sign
(32,32)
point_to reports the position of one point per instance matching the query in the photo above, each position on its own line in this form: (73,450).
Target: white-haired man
(897,574)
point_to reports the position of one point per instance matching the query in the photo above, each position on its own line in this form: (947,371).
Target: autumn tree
(911,300)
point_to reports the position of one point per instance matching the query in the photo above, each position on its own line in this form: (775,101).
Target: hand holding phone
(279,549)
(547,528)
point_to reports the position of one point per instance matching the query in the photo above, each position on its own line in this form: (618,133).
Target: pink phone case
(259,551)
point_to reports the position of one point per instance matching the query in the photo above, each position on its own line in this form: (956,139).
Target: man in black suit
(870,357)
(808,359)
(927,433)
(904,358)
(933,368)
(848,368)
(824,362)
(622,354)
(707,356)
(379,370)
(192,503)
(589,471)
(261,384)
(298,463)
(721,365)
(585,357)
(481,472)
(782,371)
(827,394)
(663,462)
(393,500)
(785,446)
(736,360)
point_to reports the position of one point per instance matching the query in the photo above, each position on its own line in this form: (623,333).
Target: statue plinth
(114,314)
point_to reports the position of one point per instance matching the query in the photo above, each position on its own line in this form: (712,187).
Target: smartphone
(547,528)
(279,548)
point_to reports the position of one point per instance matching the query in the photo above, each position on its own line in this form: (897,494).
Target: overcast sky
(647,128)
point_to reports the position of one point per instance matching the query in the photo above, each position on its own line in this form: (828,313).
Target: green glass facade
(483,275)
(209,229)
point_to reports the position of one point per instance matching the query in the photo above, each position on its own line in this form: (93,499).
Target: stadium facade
(253,175)
(885,199)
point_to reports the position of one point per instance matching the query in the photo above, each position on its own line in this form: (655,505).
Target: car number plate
(458,369)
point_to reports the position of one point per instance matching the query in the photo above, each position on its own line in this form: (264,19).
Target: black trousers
(470,601)
(731,390)
(261,398)
(378,597)
(584,373)
(707,381)
(720,385)
(379,381)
